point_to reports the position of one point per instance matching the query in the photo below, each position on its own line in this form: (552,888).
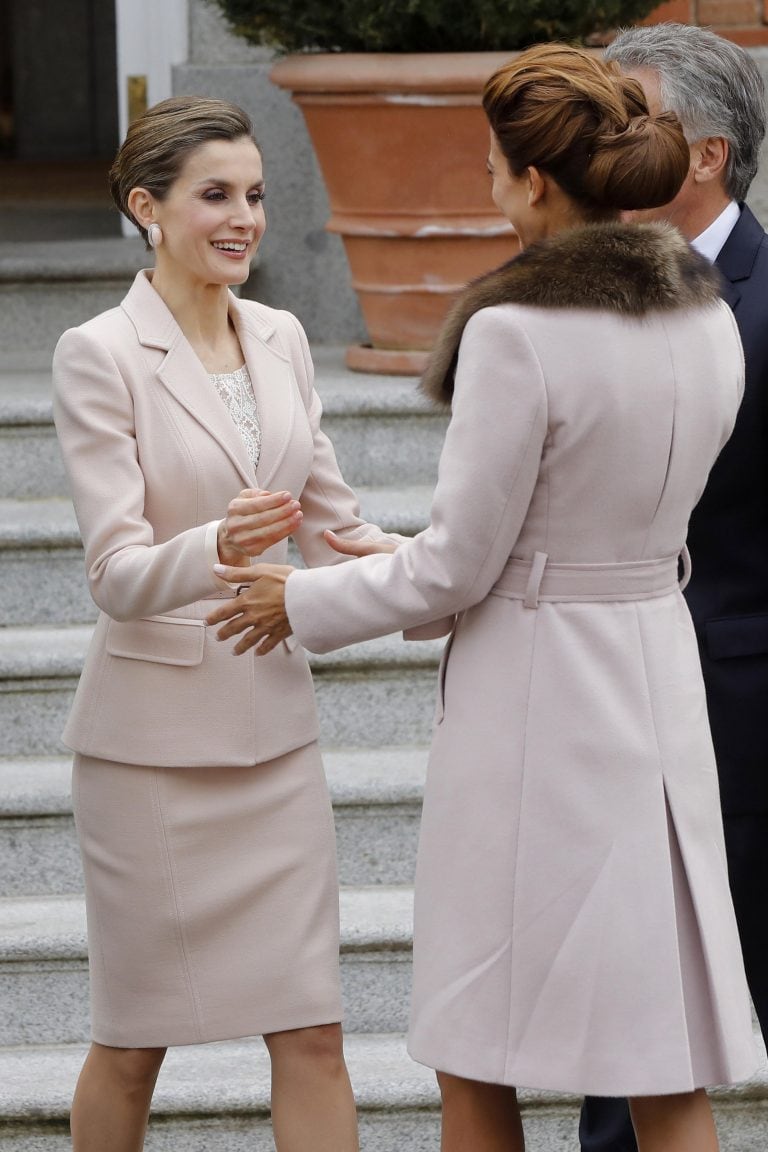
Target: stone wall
(303,267)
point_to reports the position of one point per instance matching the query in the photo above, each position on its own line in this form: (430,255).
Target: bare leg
(479,1117)
(112,1098)
(681,1123)
(313,1109)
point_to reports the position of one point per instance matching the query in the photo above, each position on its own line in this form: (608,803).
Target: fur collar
(630,269)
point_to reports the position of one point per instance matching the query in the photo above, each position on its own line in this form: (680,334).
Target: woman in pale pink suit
(200,801)
(573,925)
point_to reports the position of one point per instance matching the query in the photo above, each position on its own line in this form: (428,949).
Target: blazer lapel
(737,257)
(185,377)
(274,387)
(730,293)
(183,374)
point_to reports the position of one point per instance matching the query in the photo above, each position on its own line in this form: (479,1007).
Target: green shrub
(424,25)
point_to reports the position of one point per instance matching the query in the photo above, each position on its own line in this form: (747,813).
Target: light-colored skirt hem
(211,899)
(264,1027)
(543,1080)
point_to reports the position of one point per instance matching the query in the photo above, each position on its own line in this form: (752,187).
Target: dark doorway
(59,61)
(58,118)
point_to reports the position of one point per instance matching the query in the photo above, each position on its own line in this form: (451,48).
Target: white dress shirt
(710,242)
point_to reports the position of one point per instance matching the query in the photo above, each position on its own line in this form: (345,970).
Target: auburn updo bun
(640,166)
(566,112)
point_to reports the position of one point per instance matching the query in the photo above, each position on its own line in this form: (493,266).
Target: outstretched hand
(360,547)
(258,611)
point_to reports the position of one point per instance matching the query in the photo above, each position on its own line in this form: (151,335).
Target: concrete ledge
(216,1097)
(44,965)
(404,510)
(343,392)
(381,427)
(373,695)
(41,929)
(376,917)
(200,1080)
(25,394)
(108,258)
(42,653)
(376,796)
(36,653)
(233,1075)
(49,523)
(25,397)
(35,787)
(376,777)
(42,554)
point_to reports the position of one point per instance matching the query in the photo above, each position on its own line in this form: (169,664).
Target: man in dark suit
(717,92)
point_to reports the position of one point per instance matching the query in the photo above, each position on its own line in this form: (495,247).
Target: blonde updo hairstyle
(566,112)
(158,143)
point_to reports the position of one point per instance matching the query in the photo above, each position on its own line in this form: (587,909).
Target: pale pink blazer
(153,459)
(573,922)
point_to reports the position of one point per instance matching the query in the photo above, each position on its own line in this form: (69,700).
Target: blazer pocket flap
(736,636)
(159,639)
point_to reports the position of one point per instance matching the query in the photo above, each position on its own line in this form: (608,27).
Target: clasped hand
(256,520)
(258,610)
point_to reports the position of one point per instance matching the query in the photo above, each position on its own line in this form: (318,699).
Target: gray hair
(713,85)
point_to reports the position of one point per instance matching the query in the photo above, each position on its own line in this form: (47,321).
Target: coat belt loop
(685,558)
(538,564)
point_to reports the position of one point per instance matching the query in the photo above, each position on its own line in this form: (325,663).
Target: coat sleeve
(129,575)
(487,473)
(327,501)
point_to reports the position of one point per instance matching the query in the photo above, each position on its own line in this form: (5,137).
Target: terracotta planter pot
(402,143)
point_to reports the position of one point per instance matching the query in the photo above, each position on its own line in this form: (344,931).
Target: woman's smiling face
(213,216)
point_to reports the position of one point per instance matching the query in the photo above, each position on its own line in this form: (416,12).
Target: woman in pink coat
(201,806)
(573,924)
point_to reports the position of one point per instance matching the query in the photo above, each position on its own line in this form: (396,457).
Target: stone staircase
(375,702)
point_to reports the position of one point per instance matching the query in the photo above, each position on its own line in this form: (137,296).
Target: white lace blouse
(236,390)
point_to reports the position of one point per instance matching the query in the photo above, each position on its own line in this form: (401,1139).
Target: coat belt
(538,580)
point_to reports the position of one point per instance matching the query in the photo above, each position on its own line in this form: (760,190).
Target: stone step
(76,221)
(383,430)
(43,568)
(48,286)
(215,1098)
(30,461)
(38,849)
(44,965)
(372,695)
(42,559)
(376,796)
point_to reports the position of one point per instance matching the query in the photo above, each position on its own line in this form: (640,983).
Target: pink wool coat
(574,928)
(153,459)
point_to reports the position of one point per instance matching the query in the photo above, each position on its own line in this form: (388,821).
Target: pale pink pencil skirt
(212,899)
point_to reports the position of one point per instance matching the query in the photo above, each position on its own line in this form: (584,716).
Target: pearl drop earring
(154,235)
